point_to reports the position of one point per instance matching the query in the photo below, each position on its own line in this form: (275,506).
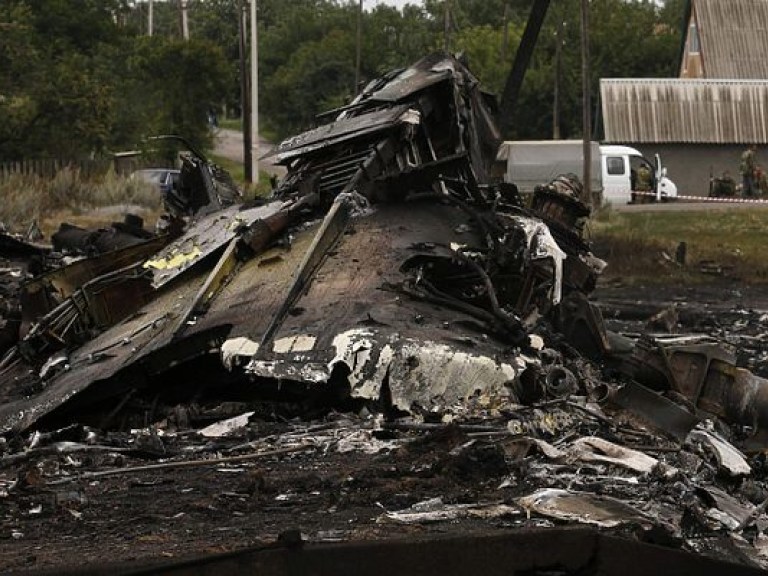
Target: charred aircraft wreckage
(391,270)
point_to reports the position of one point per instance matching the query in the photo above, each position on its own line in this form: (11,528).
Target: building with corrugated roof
(702,121)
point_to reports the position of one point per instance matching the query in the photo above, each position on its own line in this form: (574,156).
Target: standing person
(747,169)
(644,181)
(761,181)
(213,121)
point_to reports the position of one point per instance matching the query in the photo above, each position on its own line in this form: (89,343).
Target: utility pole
(585,104)
(558,67)
(505,31)
(184,21)
(447,26)
(150,18)
(358,48)
(520,65)
(254,95)
(245,95)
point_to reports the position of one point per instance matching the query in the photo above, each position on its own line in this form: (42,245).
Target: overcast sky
(398,3)
(401,3)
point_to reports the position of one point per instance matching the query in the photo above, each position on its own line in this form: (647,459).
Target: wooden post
(585,103)
(254,93)
(447,26)
(245,99)
(558,68)
(358,48)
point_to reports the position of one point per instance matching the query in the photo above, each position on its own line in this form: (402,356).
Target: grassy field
(642,246)
(231,123)
(91,202)
(68,197)
(237,170)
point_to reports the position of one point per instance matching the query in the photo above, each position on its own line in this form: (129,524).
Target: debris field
(393,346)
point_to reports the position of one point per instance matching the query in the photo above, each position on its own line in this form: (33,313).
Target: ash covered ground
(88,496)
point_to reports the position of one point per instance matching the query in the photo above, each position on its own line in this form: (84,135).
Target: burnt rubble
(391,312)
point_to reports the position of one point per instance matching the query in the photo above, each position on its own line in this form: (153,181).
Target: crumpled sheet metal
(704,370)
(730,459)
(543,246)
(435,510)
(99,360)
(423,74)
(583,507)
(437,92)
(348,321)
(594,449)
(354,288)
(419,372)
(338,132)
(204,237)
(597,450)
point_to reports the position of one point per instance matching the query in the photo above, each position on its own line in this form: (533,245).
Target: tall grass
(642,245)
(28,198)
(237,171)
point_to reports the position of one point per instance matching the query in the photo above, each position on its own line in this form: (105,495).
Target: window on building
(615,165)
(693,39)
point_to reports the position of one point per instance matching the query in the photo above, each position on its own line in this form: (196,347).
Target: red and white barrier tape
(721,200)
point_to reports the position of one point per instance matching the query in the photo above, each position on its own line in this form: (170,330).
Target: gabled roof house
(701,120)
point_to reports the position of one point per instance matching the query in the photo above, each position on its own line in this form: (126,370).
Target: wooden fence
(48,167)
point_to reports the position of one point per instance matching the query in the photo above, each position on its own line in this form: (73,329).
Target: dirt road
(229,144)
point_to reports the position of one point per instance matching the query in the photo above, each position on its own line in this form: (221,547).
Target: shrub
(28,197)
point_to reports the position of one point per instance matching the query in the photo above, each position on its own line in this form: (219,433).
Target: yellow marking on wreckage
(174,260)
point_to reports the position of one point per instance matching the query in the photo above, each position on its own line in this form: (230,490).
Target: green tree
(628,39)
(168,86)
(318,77)
(78,75)
(75,79)
(19,65)
(53,102)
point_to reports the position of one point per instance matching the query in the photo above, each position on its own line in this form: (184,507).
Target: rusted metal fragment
(704,371)
(665,415)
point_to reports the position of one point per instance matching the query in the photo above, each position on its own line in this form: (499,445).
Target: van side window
(615,165)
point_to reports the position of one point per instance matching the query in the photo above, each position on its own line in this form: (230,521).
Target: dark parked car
(164,179)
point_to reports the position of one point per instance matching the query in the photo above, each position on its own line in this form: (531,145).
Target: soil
(189,512)
(140,516)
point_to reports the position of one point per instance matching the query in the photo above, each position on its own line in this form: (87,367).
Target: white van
(529,163)
(619,164)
